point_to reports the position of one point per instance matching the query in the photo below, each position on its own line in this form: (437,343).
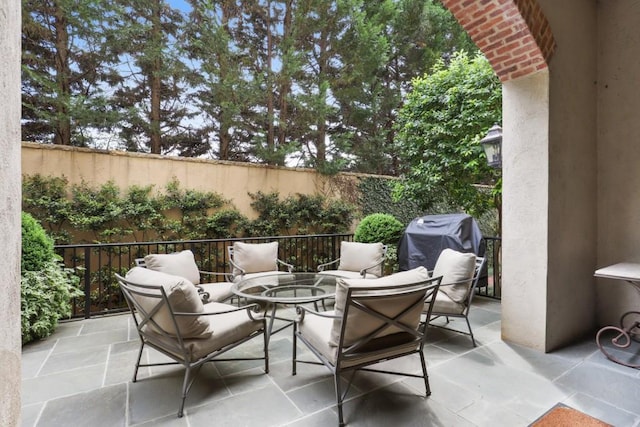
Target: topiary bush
(385,228)
(379,227)
(37,247)
(46,287)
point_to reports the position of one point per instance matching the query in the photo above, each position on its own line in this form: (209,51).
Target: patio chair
(374,320)
(357,260)
(183,264)
(248,260)
(170,318)
(460,273)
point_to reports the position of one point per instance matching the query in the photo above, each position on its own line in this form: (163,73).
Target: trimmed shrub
(385,228)
(379,227)
(37,247)
(46,287)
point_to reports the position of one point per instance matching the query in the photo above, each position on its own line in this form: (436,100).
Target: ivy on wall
(375,196)
(81,213)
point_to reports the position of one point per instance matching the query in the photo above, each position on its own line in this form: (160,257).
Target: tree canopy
(439,130)
(317,83)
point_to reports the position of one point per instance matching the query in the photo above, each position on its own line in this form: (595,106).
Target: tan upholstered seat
(460,274)
(357,260)
(248,260)
(183,264)
(374,320)
(170,317)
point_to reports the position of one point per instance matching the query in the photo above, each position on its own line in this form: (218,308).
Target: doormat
(564,416)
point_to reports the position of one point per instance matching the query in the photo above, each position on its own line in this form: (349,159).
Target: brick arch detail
(514,35)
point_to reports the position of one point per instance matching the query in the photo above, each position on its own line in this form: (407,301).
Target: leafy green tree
(153,84)
(439,129)
(66,68)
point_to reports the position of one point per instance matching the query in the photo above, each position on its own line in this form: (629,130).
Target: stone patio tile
(265,407)
(452,396)
(62,384)
(106,323)
(32,363)
(484,414)
(159,395)
(78,358)
(30,414)
(398,405)
(602,410)
(545,365)
(608,385)
(523,392)
(103,407)
(97,339)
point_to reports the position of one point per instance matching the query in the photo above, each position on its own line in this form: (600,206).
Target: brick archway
(514,35)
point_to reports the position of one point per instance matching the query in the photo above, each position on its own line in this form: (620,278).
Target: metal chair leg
(336,378)
(135,372)
(424,373)
(470,331)
(185,390)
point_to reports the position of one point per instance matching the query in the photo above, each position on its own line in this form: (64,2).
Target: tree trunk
(63,119)
(156,82)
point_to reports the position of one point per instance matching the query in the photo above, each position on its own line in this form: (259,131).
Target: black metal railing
(97,263)
(491,285)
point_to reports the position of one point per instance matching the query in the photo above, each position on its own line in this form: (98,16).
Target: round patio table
(286,289)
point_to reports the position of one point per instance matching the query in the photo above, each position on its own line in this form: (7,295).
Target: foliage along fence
(97,263)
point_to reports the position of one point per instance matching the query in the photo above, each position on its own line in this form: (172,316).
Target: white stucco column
(10,188)
(525,209)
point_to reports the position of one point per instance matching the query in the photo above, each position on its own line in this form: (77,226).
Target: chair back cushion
(355,256)
(181,264)
(455,267)
(183,297)
(359,323)
(255,257)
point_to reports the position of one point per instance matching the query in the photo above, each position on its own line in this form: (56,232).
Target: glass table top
(287,288)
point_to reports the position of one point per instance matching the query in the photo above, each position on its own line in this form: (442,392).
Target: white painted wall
(618,169)
(10,200)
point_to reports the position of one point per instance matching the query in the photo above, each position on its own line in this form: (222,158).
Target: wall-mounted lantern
(492,145)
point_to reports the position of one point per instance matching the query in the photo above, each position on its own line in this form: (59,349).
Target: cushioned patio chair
(460,274)
(183,264)
(357,260)
(170,317)
(248,260)
(374,320)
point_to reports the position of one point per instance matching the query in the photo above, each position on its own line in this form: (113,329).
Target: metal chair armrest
(285,264)
(302,310)
(324,266)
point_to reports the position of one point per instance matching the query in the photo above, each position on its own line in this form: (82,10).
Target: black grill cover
(425,237)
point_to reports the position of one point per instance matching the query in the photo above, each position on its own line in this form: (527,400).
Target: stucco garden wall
(233,181)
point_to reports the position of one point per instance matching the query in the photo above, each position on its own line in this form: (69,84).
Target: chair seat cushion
(445,305)
(229,329)
(355,256)
(218,292)
(181,264)
(255,257)
(360,323)
(457,268)
(183,297)
(317,331)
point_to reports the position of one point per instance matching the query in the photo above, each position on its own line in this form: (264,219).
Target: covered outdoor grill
(426,236)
